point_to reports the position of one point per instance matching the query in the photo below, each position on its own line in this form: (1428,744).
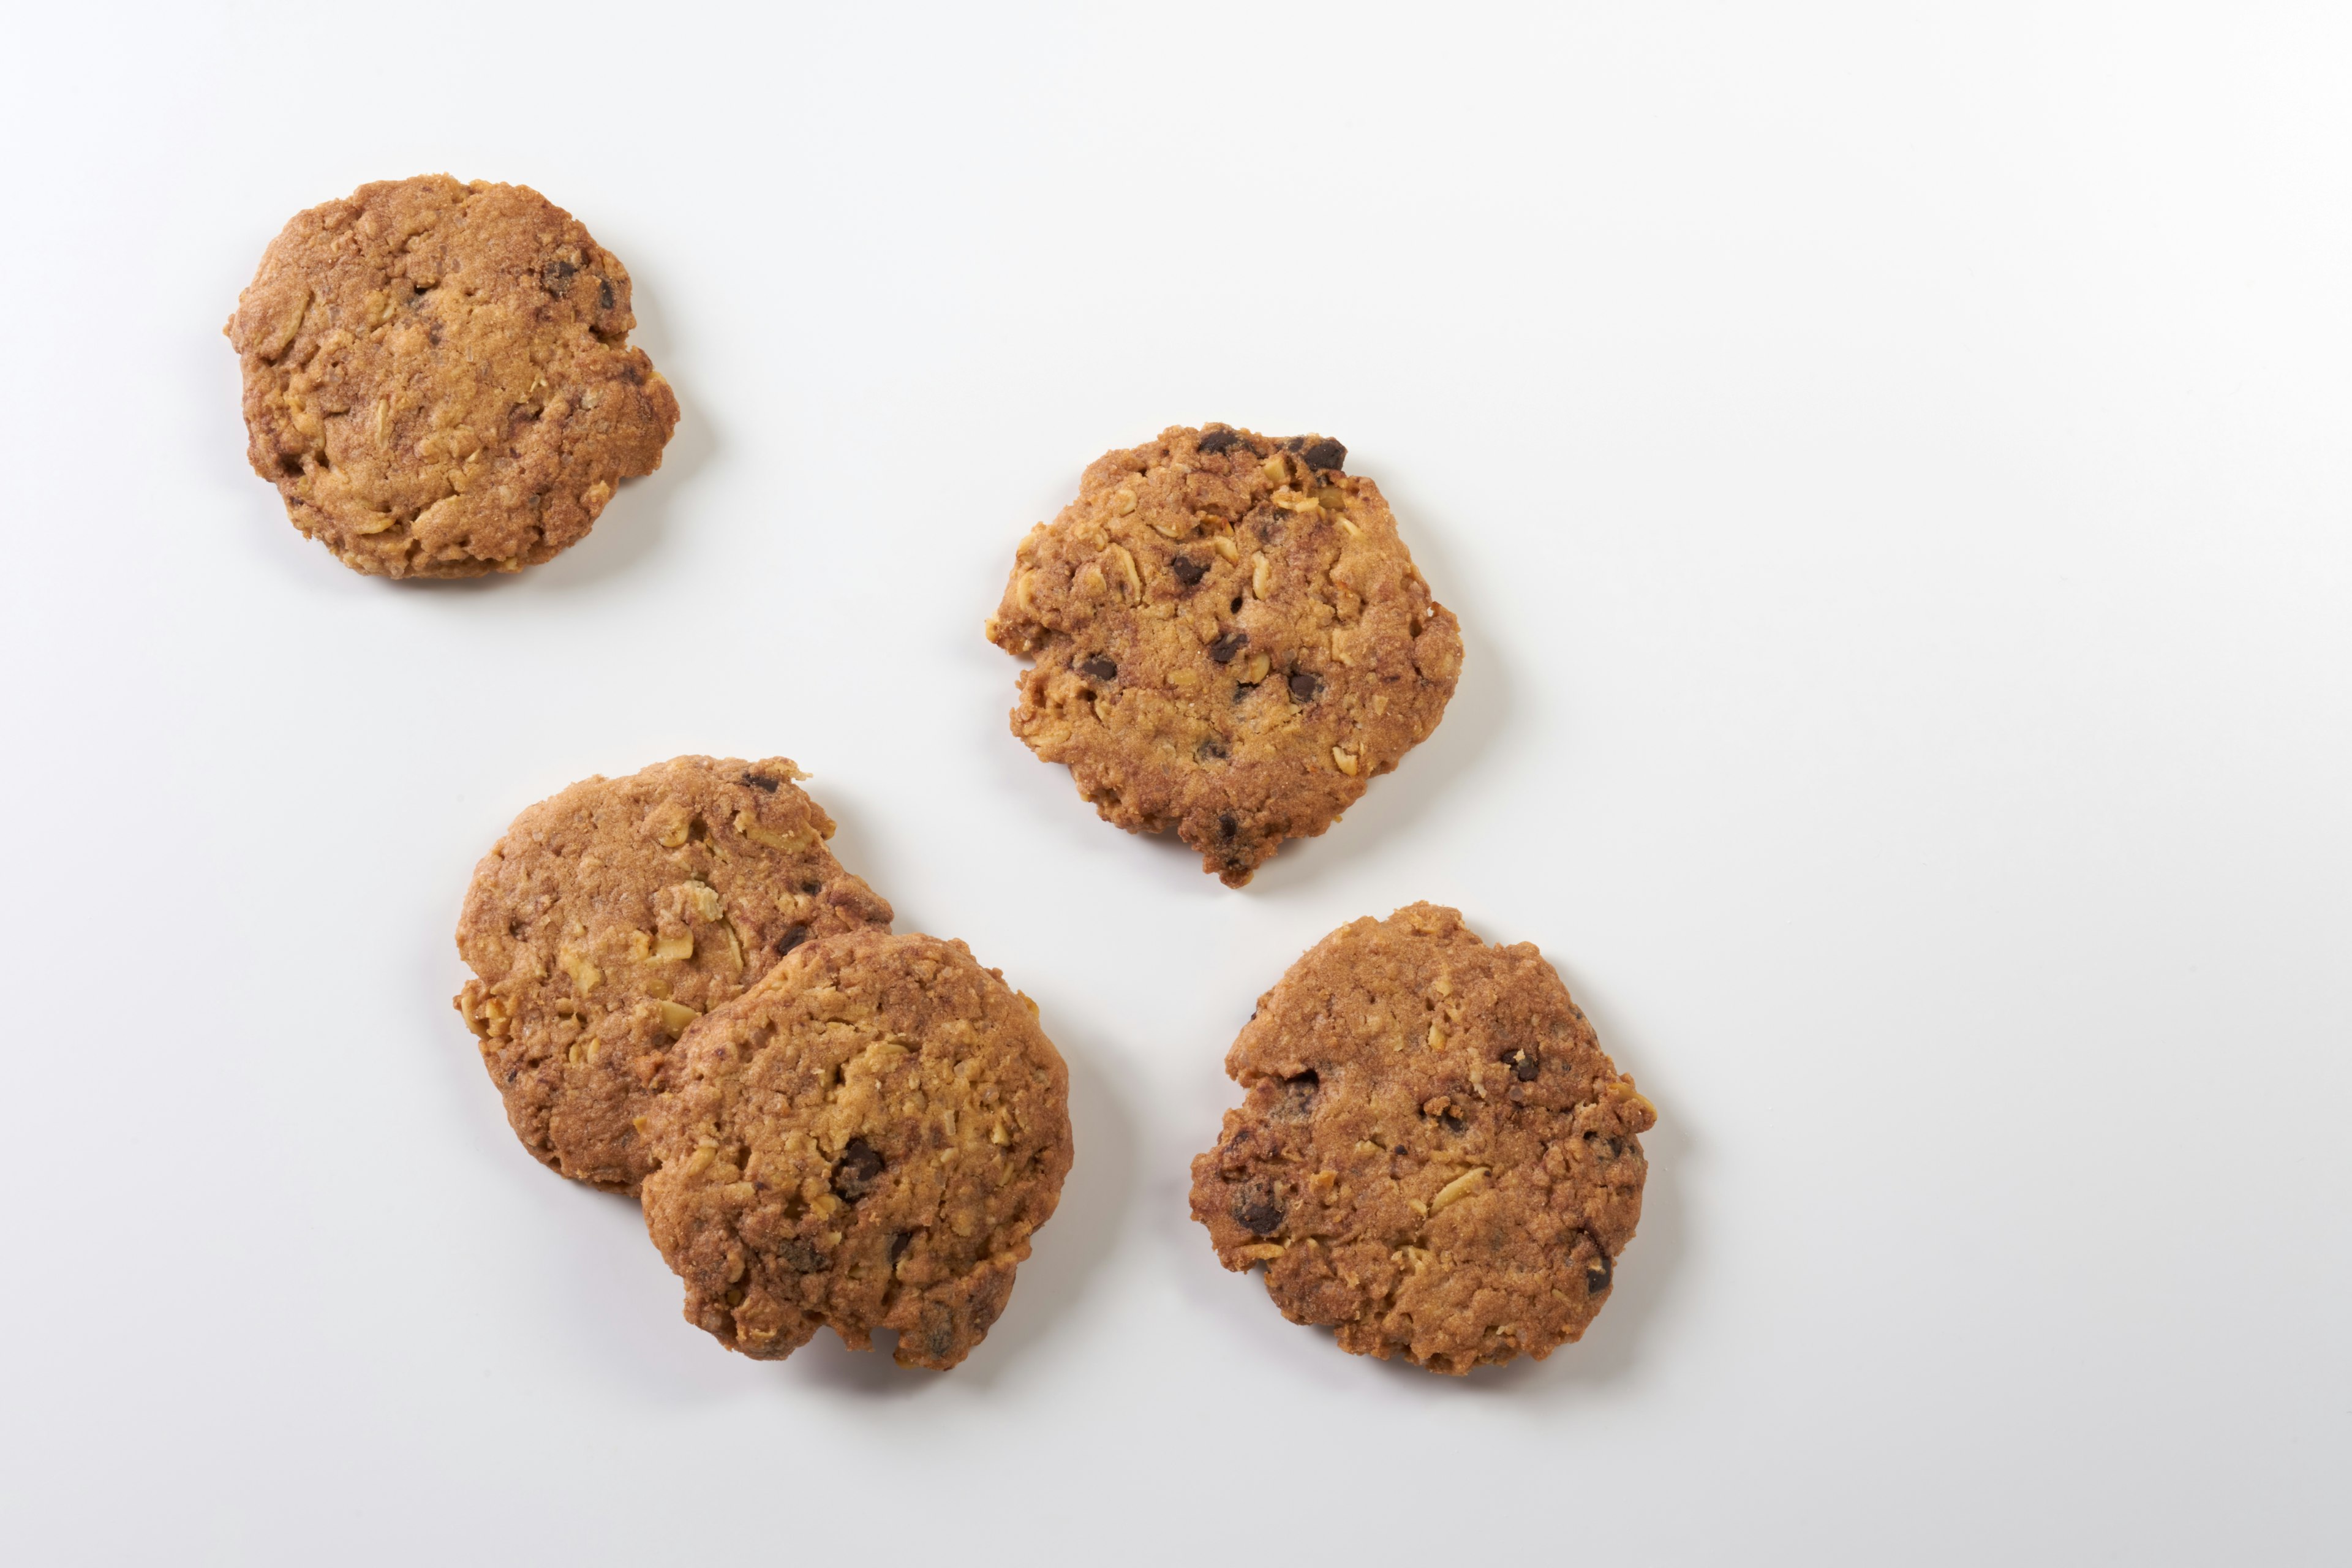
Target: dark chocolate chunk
(1255,1207)
(899,1243)
(1525,1064)
(1325,454)
(605,294)
(794,936)
(1210,750)
(761,783)
(1452,1120)
(1306,686)
(1188,570)
(1293,443)
(1227,826)
(1218,440)
(1598,1274)
(854,1172)
(556,276)
(1222,651)
(1098,668)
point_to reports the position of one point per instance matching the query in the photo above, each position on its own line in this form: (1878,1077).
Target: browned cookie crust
(1231,640)
(438,381)
(867,1139)
(1435,1159)
(613,915)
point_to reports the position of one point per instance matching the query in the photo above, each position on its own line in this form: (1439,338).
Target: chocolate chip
(1325,454)
(1598,1274)
(556,276)
(761,783)
(794,936)
(605,294)
(1452,1120)
(1255,1207)
(1306,686)
(799,1256)
(898,1245)
(1219,440)
(1098,668)
(1237,603)
(1293,443)
(1210,750)
(812,886)
(1525,1064)
(1227,826)
(1188,570)
(1241,690)
(1222,651)
(854,1172)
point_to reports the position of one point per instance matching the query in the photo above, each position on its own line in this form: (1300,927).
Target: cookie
(1435,1160)
(867,1139)
(612,916)
(1230,640)
(438,381)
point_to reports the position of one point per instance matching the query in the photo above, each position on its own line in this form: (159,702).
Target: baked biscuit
(612,916)
(438,381)
(1230,640)
(1435,1160)
(867,1139)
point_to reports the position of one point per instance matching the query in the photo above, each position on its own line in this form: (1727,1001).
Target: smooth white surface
(1893,476)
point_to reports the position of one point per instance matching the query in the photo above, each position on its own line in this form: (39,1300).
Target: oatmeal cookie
(1230,640)
(867,1139)
(438,381)
(1435,1159)
(612,916)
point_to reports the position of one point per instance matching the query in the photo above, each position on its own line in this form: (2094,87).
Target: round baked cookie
(1435,1160)
(1230,640)
(867,1139)
(612,916)
(438,381)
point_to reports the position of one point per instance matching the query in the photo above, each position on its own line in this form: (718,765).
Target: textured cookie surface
(867,1139)
(438,381)
(1435,1159)
(612,916)
(1230,640)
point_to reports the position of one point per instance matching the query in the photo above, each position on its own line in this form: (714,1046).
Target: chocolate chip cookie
(867,1139)
(612,916)
(1230,640)
(438,381)
(1435,1160)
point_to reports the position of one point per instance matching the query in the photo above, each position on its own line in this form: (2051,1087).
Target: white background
(1893,476)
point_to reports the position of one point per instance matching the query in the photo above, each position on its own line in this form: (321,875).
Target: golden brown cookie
(867,1139)
(612,916)
(1435,1159)
(438,381)
(1230,639)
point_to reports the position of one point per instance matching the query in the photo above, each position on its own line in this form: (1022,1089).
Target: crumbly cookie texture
(438,381)
(1230,640)
(613,915)
(1435,1160)
(868,1139)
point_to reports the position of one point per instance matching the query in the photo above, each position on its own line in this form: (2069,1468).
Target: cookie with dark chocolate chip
(1435,1159)
(866,1140)
(439,379)
(613,915)
(1230,639)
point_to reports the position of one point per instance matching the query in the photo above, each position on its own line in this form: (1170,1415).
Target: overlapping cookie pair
(682,994)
